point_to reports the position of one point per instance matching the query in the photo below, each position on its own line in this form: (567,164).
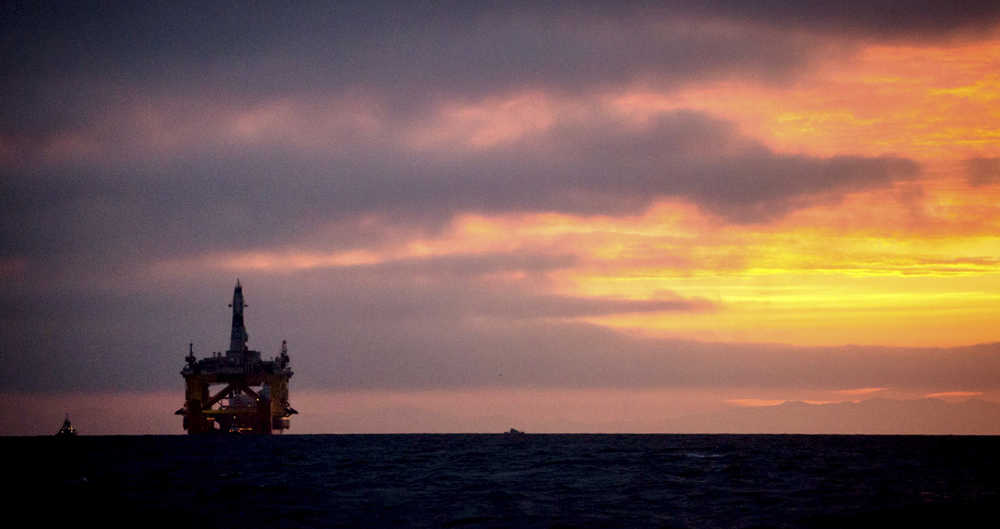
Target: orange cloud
(953,394)
(931,102)
(861,391)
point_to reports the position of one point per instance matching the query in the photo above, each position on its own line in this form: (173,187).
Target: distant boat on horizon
(67,429)
(514,431)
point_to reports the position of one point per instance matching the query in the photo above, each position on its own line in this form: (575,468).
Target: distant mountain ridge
(873,416)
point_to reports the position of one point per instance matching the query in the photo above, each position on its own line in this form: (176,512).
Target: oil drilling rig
(254,396)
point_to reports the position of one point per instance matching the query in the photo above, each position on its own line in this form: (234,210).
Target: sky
(466,216)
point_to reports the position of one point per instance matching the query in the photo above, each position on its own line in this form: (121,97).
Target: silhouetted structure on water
(238,407)
(67,429)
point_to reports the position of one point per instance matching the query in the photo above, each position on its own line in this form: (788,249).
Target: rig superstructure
(255,396)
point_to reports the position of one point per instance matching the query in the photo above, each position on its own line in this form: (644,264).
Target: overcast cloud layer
(135,135)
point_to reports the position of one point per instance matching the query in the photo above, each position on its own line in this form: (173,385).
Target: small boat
(67,430)
(514,431)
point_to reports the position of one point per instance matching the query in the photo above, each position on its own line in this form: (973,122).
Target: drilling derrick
(254,394)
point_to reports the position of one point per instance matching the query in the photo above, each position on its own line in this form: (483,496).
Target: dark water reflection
(508,481)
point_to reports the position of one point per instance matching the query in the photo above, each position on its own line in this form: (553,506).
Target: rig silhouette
(238,407)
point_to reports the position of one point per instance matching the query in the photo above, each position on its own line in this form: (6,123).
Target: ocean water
(495,481)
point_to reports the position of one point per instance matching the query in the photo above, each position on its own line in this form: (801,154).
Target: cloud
(468,265)
(257,196)
(368,327)
(114,330)
(455,289)
(754,403)
(861,391)
(132,134)
(953,394)
(382,44)
(982,171)
(70,66)
(471,353)
(879,19)
(174,133)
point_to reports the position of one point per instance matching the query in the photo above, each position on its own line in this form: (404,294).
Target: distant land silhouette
(873,416)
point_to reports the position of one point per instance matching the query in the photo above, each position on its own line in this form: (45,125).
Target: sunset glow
(455,204)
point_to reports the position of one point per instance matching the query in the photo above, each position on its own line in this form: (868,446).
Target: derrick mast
(254,394)
(238,337)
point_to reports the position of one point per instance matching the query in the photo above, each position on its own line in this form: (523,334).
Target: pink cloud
(755,403)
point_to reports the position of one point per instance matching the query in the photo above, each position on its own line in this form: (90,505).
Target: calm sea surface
(472,481)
